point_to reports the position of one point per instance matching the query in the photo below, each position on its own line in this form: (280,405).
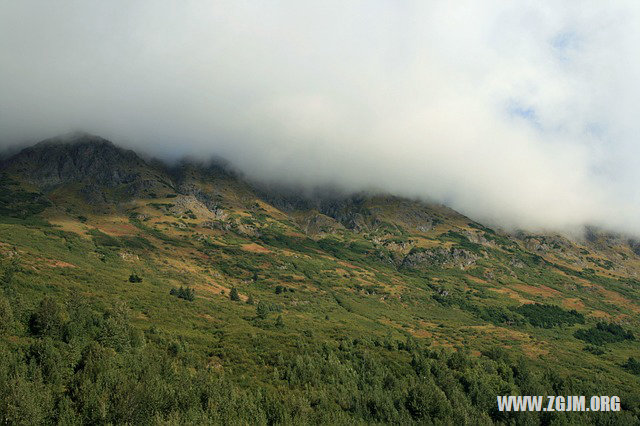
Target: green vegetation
(279,321)
(548,316)
(596,350)
(47,320)
(132,242)
(233,295)
(407,314)
(632,365)
(282,289)
(186,293)
(536,314)
(17,202)
(461,241)
(141,378)
(134,278)
(604,333)
(262,310)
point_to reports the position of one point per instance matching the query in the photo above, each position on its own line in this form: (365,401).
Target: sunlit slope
(379,268)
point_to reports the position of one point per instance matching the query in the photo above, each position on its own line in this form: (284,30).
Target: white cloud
(518,113)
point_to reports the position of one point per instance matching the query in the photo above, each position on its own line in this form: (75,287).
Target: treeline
(68,364)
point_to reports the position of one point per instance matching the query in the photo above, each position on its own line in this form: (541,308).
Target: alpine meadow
(327,213)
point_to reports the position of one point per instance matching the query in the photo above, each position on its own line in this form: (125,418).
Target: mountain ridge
(195,266)
(105,163)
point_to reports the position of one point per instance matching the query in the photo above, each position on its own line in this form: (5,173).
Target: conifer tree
(233,295)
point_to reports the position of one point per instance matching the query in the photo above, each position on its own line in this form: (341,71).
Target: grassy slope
(343,283)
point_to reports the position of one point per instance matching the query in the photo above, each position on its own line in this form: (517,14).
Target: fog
(520,114)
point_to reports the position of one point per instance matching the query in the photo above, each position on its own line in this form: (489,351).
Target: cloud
(521,114)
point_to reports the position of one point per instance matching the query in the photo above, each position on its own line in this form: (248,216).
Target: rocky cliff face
(93,162)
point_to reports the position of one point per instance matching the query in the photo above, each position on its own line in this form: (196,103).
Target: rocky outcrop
(210,200)
(439,257)
(315,224)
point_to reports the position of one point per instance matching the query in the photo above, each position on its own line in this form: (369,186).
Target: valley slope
(363,308)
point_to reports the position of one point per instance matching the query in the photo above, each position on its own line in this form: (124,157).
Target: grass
(347,296)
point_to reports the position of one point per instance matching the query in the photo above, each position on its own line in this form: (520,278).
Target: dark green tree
(48,319)
(233,295)
(186,293)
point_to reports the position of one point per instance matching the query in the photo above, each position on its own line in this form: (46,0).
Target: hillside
(358,308)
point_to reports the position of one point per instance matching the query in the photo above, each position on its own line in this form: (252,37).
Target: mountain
(139,292)
(100,170)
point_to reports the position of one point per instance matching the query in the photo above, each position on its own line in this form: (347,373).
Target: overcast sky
(521,113)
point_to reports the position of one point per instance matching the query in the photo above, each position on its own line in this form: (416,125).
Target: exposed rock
(87,159)
(319,224)
(635,246)
(129,257)
(478,238)
(442,257)
(247,230)
(76,158)
(416,217)
(217,224)
(515,262)
(206,198)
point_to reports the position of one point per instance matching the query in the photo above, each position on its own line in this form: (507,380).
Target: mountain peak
(76,157)
(75,138)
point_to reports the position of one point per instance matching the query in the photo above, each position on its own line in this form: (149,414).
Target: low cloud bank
(521,114)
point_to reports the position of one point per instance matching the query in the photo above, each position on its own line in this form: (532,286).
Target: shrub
(10,268)
(134,278)
(6,315)
(594,350)
(186,293)
(279,322)
(262,310)
(115,332)
(632,365)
